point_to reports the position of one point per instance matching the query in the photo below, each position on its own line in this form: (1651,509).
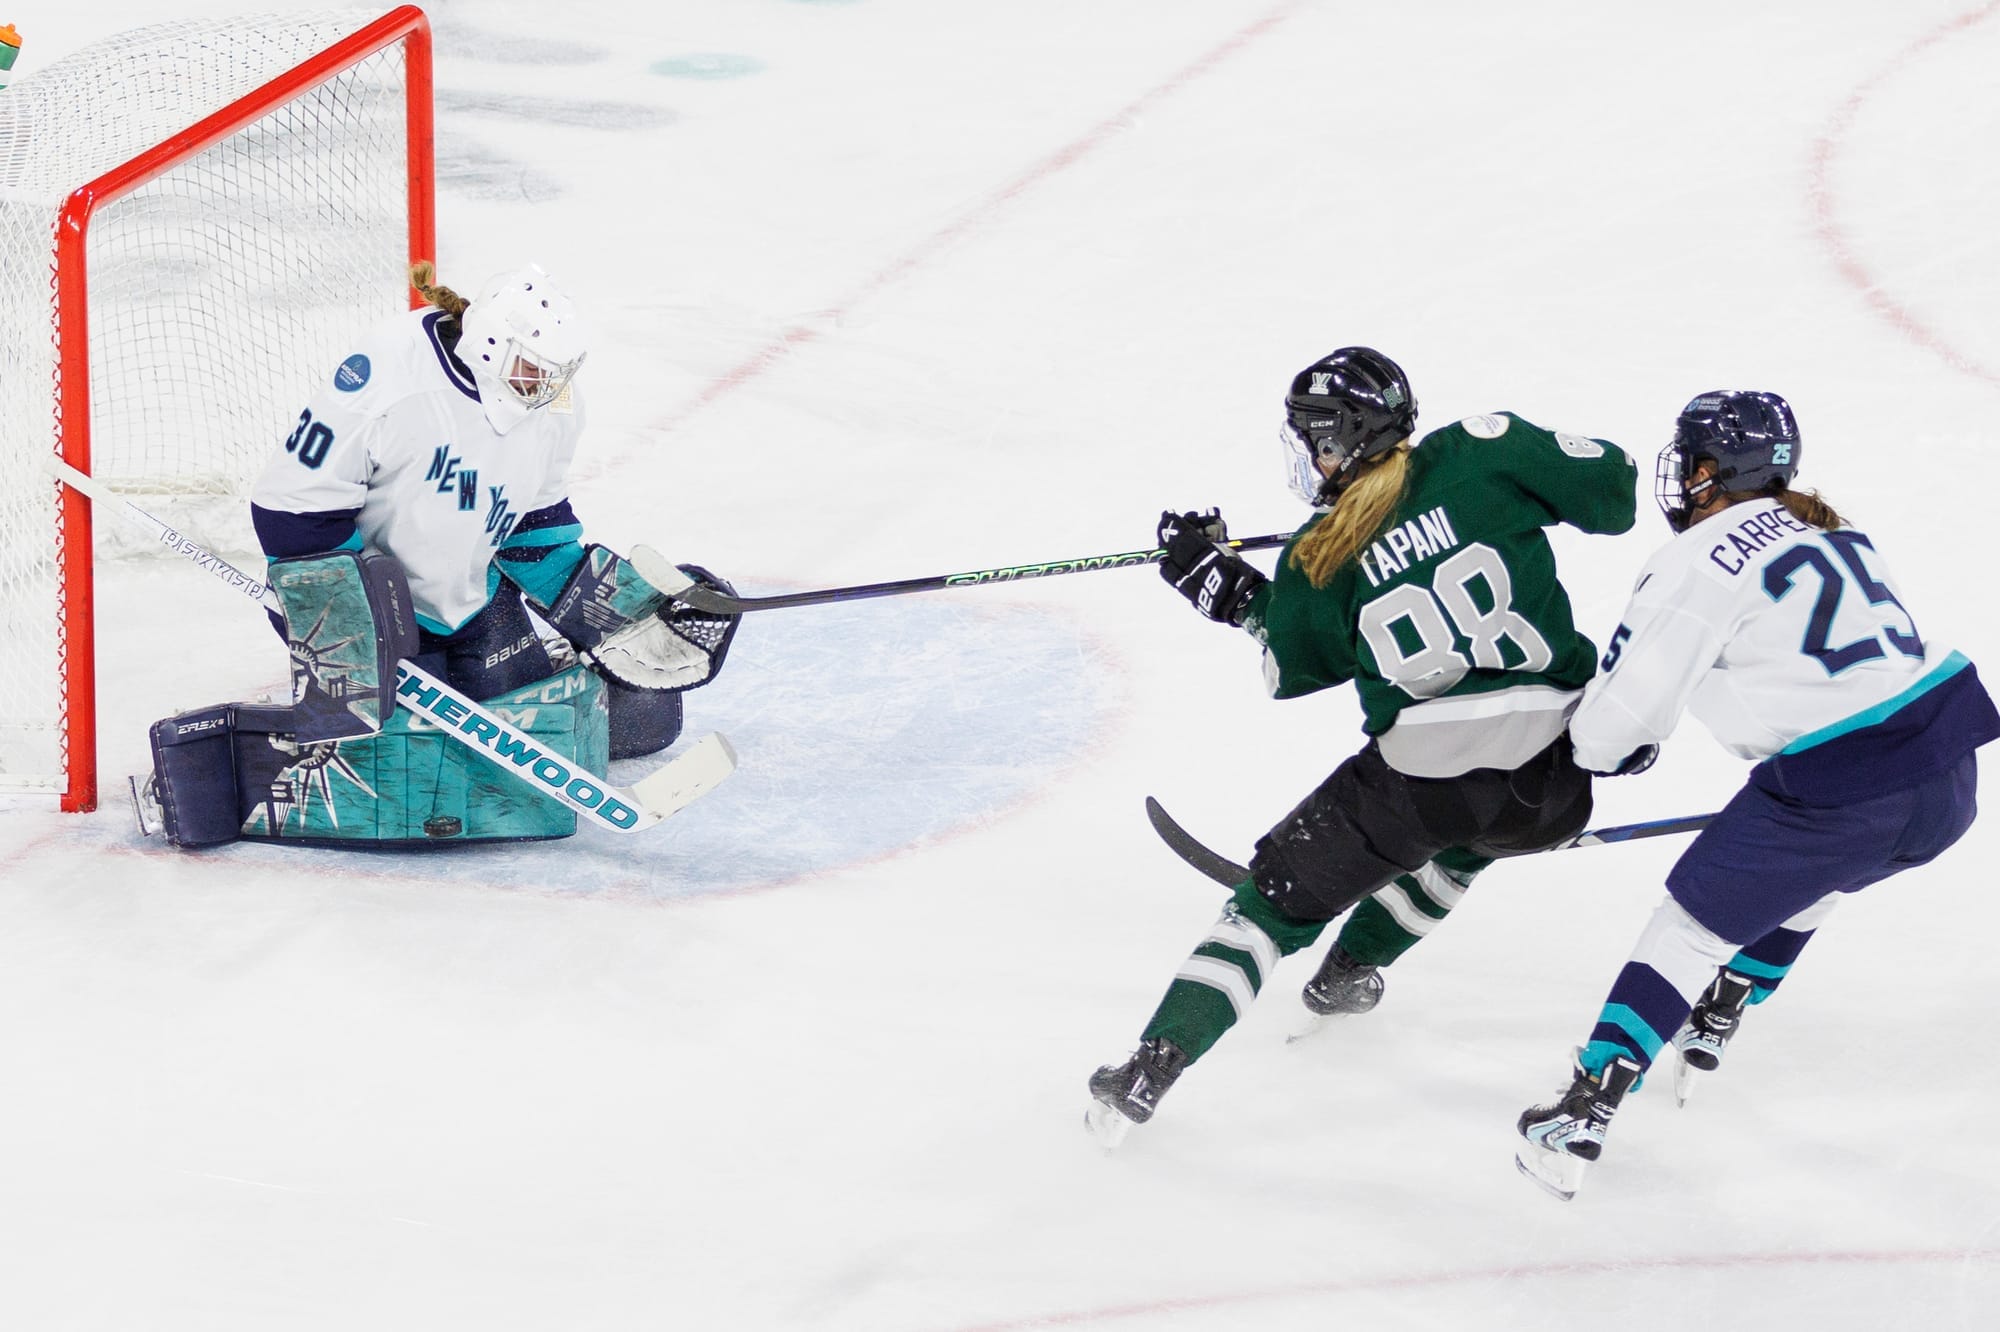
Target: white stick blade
(687,777)
(658,570)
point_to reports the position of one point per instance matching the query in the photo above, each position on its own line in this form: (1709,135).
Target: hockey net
(195,218)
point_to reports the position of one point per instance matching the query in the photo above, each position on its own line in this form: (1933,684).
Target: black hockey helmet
(1350,406)
(1751,439)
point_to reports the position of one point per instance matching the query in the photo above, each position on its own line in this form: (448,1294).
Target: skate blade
(1557,1174)
(139,808)
(1686,1075)
(1106,1125)
(1314,1024)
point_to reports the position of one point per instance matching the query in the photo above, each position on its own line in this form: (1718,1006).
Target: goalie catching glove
(1216,580)
(633,631)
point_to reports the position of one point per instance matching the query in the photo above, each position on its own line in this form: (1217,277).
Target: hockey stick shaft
(721,603)
(688,775)
(1228,873)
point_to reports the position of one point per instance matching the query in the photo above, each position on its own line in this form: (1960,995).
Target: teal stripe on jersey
(544,536)
(1949,667)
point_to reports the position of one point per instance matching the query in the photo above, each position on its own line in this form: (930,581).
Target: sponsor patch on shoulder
(1485,427)
(353,373)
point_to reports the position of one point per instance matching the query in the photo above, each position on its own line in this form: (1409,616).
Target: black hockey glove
(1216,580)
(1634,763)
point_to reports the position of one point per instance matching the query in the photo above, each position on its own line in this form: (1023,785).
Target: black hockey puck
(443,825)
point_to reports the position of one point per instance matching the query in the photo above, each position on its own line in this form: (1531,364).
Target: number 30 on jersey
(310,440)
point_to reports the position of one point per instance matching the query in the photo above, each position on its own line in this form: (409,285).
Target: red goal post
(194,219)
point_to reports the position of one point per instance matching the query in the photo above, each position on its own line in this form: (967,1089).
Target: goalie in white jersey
(444,442)
(1779,626)
(418,509)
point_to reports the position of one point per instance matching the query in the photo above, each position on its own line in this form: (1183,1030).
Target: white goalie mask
(523,342)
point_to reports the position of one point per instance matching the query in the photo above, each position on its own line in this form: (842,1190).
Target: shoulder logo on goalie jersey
(352,374)
(1491,426)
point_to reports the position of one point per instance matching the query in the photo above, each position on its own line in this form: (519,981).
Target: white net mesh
(220,293)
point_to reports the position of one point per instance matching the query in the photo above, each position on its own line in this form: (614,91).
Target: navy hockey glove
(1216,580)
(1634,763)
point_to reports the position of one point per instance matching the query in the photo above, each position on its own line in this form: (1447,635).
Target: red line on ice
(1420,1281)
(1826,223)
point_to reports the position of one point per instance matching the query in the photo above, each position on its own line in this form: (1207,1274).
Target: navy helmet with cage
(1750,441)
(1343,409)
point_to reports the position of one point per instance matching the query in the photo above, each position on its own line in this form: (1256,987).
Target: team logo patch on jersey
(1484,427)
(353,373)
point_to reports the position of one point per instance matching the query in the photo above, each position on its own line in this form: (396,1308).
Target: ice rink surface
(903,287)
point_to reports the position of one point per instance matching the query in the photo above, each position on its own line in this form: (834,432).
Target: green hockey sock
(1388,924)
(1222,977)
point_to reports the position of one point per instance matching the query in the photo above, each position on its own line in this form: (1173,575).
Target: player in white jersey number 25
(1779,626)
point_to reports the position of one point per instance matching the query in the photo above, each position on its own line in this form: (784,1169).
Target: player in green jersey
(1427,579)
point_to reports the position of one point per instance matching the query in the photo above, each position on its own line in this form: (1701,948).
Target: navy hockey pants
(1767,858)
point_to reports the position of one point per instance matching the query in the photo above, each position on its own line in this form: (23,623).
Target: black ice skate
(1126,1094)
(1564,1137)
(1709,1028)
(1341,987)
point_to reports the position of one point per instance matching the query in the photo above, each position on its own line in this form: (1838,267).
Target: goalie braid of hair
(423,276)
(1365,503)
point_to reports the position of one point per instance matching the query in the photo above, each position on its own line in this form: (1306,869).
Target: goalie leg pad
(411,787)
(348,621)
(194,771)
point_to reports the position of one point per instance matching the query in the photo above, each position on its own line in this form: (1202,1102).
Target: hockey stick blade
(1218,867)
(717,602)
(1230,874)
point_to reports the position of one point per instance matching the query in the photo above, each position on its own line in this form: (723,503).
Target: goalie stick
(1230,874)
(662,793)
(721,603)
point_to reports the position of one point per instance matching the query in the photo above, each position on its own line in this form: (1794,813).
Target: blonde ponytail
(423,276)
(1357,516)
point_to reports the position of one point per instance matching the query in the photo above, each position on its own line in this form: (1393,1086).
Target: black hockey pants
(1367,823)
